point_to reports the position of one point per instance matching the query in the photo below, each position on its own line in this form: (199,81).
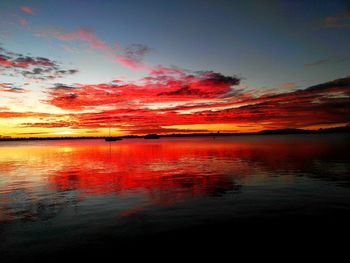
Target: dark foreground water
(84,197)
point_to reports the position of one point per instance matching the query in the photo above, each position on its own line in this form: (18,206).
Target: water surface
(56,195)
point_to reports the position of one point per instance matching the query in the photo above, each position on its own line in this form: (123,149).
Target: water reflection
(40,180)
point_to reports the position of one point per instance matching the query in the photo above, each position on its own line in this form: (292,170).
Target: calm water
(59,194)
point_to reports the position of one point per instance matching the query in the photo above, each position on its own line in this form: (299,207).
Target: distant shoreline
(344,129)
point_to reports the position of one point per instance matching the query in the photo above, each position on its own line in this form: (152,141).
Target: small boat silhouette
(112,139)
(151,136)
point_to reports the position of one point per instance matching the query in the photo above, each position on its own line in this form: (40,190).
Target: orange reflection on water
(166,171)
(37,176)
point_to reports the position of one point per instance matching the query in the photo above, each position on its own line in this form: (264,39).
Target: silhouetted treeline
(343,129)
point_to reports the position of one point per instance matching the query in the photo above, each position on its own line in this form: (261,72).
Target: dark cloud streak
(14,64)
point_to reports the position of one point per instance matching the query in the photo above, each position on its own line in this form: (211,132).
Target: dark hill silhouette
(343,129)
(285,131)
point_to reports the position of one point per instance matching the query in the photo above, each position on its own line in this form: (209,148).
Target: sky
(78,68)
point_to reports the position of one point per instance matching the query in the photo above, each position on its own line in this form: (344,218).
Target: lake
(76,194)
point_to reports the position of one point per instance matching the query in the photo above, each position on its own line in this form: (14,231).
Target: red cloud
(160,89)
(338,20)
(5,61)
(205,98)
(81,34)
(23,22)
(11,114)
(27,9)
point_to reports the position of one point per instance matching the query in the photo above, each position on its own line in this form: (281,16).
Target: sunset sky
(76,68)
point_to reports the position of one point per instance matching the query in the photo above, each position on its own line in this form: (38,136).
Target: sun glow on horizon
(64,133)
